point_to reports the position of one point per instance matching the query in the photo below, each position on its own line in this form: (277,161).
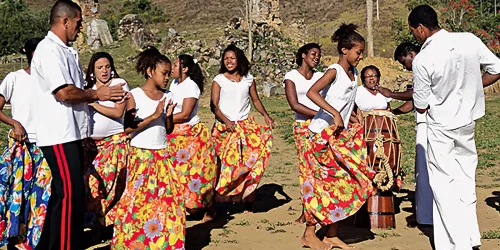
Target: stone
(132,27)
(172,33)
(271,89)
(213,62)
(98,34)
(195,48)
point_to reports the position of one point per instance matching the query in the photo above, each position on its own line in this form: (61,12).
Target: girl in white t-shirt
(189,145)
(151,210)
(243,147)
(367,97)
(25,175)
(342,180)
(106,150)
(297,82)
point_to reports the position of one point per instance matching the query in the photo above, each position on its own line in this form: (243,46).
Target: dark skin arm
(314,95)
(489,79)
(18,128)
(132,125)
(258,105)
(188,105)
(403,109)
(291,96)
(214,107)
(403,96)
(71,94)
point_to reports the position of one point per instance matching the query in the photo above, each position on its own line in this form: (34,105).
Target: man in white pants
(448,85)
(404,54)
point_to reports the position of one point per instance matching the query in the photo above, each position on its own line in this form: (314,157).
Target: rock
(130,58)
(213,62)
(98,34)
(172,33)
(217,53)
(132,27)
(271,89)
(195,48)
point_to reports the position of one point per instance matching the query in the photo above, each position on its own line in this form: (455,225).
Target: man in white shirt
(404,54)
(448,84)
(61,115)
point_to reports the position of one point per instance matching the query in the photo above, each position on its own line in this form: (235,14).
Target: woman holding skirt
(340,181)
(243,147)
(190,147)
(150,214)
(25,176)
(107,151)
(297,83)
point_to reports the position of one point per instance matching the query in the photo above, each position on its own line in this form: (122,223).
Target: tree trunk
(378,13)
(369,26)
(248,6)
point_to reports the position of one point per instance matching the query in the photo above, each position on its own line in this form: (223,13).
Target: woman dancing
(189,145)
(242,146)
(150,214)
(342,181)
(297,83)
(106,174)
(25,176)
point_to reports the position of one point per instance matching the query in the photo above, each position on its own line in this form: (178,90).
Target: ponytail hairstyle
(149,59)
(29,48)
(305,50)
(346,37)
(194,70)
(90,76)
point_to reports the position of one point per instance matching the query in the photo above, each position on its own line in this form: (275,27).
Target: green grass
(492,234)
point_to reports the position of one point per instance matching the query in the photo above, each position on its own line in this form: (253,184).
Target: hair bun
(343,31)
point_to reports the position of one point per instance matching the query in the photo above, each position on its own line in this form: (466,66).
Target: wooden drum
(384,156)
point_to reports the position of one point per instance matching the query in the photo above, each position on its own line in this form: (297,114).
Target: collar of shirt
(435,36)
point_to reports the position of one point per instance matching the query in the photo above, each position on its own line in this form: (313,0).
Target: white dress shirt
(447,78)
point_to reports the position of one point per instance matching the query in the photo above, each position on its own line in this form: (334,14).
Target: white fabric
(302,85)
(154,135)
(101,125)
(54,65)
(340,94)
(186,89)
(420,117)
(16,89)
(234,100)
(452,170)
(423,192)
(366,101)
(447,78)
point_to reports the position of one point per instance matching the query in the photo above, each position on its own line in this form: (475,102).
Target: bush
(145,9)
(19,24)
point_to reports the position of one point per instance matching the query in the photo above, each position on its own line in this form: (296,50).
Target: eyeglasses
(371,76)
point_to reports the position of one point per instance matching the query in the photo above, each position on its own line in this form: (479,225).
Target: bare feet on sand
(314,243)
(337,243)
(301,219)
(209,215)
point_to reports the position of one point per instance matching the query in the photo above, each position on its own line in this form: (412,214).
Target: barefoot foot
(301,219)
(337,243)
(314,243)
(209,216)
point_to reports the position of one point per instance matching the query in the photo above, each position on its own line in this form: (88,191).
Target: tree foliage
(18,24)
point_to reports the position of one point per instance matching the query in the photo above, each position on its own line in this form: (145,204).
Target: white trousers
(452,169)
(423,192)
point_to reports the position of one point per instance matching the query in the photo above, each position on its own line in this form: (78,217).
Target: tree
(369,26)
(249,22)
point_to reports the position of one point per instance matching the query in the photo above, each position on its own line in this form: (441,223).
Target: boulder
(271,89)
(133,28)
(98,34)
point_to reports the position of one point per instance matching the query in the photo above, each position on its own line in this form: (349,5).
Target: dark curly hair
(305,50)
(148,59)
(243,66)
(372,67)
(346,37)
(404,49)
(194,70)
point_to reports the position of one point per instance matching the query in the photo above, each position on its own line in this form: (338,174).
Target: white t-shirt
(340,94)
(16,89)
(302,85)
(153,136)
(54,65)
(101,125)
(447,78)
(186,89)
(234,100)
(367,101)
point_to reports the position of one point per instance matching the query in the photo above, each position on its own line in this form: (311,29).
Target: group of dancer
(89,152)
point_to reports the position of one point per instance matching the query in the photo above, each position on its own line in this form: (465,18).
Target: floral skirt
(335,179)
(25,180)
(243,156)
(192,153)
(105,177)
(150,214)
